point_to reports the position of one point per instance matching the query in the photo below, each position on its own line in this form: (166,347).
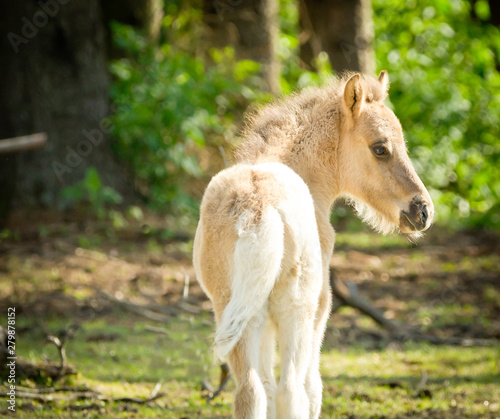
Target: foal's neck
(316,162)
(304,137)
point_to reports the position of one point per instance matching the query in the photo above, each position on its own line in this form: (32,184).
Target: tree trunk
(494,12)
(251,27)
(8,178)
(54,78)
(344,29)
(310,45)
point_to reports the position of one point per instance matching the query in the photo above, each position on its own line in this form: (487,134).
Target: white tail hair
(257,263)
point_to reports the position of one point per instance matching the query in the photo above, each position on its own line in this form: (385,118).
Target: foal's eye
(380,151)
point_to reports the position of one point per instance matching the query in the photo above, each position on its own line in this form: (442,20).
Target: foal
(264,241)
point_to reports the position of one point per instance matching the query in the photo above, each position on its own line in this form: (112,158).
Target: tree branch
(27,142)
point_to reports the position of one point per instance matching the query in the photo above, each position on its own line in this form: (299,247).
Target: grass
(447,287)
(119,356)
(462,382)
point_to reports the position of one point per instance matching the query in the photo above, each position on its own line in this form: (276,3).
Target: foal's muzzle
(418,217)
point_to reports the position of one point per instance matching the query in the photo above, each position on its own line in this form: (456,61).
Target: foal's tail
(257,262)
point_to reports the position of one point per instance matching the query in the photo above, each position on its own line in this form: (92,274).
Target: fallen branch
(347,294)
(224,379)
(35,371)
(60,343)
(144,311)
(188,308)
(153,311)
(46,395)
(27,142)
(39,371)
(34,396)
(48,390)
(452,341)
(155,394)
(422,383)
(60,347)
(155,329)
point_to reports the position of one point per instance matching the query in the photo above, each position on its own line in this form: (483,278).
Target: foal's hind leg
(266,366)
(293,306)
(295,335)
(243,359)
(314,385)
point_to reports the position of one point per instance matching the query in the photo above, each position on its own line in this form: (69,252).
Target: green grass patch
(120,356)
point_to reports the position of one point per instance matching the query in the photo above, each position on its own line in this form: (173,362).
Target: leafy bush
(171,105)
(90,190)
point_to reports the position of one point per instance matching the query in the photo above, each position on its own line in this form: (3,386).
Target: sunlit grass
(130,359)
(116,353)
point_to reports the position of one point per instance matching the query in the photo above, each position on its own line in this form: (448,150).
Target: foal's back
(234,204)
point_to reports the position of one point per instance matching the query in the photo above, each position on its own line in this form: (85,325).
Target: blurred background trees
(175,77)
(251,28)
(54,78)
(343,29)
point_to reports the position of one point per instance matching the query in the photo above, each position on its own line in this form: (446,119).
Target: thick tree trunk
(53,78)
(8,178)
(310,45)
(494,12)
(251,27)
(344,29)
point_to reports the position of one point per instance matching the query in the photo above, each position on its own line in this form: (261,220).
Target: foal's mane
(282,123)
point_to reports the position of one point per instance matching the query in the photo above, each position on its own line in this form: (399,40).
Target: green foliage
(170,105)
(175,101)
(90,190)
(445,89)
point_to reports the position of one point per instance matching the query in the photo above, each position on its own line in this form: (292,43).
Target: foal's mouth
(418,218)
(405,222)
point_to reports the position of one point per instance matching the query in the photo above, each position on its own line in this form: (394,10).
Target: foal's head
(373,161)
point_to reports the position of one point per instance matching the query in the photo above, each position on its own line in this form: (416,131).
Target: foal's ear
(383,78)
(354,95)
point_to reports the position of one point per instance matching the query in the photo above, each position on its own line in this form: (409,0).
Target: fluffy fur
(372,217)
(264,241)
(257,262)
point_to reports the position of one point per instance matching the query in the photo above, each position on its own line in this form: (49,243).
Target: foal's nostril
(424,214)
